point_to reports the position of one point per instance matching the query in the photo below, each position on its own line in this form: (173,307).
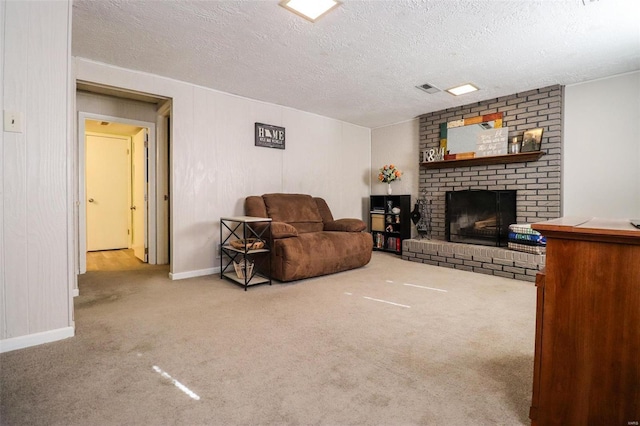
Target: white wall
(397,144)
(601,166)
(215,164)
(115,107)
(3,283)
(35,287)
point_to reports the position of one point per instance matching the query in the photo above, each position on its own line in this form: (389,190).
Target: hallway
(113,260)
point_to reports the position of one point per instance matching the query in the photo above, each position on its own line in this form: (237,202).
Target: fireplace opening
(480,216)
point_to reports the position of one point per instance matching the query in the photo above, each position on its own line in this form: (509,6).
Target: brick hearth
(485,260)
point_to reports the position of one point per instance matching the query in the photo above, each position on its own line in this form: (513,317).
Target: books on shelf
(389,243)
(389,221)
(378,240)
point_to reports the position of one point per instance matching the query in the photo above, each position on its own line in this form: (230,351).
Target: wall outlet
(12,121)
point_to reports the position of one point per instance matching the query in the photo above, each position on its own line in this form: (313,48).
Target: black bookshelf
(390,221)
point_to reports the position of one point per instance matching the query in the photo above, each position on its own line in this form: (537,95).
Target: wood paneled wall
(215,164)
(35,199)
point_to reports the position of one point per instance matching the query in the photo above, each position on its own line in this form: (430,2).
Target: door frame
(163,182)
(136,208)
(82,198)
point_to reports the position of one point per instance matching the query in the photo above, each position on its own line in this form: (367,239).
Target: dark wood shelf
(483,161)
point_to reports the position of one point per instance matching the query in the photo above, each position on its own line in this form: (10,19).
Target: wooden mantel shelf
(483,161)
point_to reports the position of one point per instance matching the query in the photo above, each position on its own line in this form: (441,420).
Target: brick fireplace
(537,182)
(478,216)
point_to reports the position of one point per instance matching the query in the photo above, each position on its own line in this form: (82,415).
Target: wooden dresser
(587,349)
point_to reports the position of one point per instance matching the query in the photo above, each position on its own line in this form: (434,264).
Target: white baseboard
(193,274)
(35,339)
(76,292)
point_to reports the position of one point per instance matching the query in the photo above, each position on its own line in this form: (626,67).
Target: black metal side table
(248,265)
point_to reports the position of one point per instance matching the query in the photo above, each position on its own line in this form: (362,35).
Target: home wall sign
(269,136)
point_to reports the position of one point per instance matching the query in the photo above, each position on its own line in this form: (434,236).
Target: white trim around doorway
(81,230)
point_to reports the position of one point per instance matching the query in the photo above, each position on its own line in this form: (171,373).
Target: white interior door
(107,168)
(139,196)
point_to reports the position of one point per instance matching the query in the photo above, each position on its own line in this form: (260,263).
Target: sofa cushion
(319,253)
(324,210)
(283,230)
(298,210)
(254,206)
(345,225)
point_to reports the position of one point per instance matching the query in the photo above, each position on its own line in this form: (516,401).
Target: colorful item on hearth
(389,173)
(523,229)
(530,239)
(526,248)
(523,238)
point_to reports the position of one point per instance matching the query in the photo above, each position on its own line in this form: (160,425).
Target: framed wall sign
(492,142)
(269,136)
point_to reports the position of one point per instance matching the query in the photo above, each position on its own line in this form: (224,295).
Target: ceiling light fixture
(461,90)
(309,9)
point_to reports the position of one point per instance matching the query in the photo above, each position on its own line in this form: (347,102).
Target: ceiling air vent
(428,88)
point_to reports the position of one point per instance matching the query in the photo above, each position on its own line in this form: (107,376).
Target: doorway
(116,173)
(116,105)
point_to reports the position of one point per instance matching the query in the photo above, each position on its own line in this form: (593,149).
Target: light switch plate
(13,121)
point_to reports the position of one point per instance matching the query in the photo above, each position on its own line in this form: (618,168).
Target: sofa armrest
(345,225)
(282,230)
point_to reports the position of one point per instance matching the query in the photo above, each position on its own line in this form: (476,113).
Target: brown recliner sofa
(306,240)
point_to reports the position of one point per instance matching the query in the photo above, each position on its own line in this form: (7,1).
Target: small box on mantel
(465,155)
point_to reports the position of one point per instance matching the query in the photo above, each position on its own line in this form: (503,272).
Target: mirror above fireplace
(461,135)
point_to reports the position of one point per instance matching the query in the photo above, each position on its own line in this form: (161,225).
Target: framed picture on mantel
(531,140)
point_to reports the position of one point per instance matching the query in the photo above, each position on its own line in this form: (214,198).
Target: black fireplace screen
(479,216)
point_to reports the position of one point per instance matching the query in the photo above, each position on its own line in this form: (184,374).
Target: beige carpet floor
(393,343)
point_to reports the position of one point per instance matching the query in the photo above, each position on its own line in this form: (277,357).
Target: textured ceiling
(119,129)
(362,61)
